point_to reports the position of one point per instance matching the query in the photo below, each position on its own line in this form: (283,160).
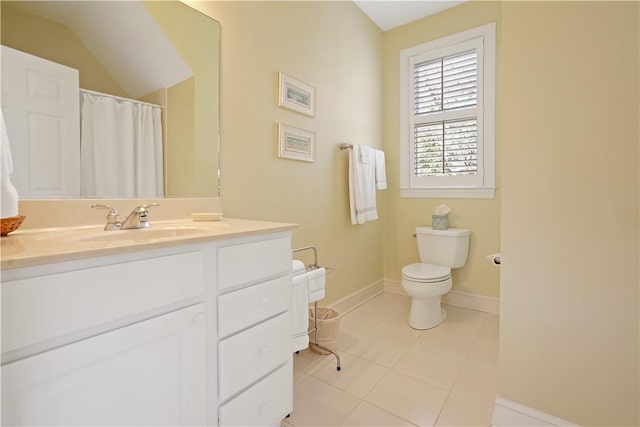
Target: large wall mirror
(143,105)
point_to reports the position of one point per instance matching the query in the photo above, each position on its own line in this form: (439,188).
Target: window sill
(448,193)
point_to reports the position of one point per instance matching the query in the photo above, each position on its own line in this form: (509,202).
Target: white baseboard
(357,298)
(459,299)
(511,414)
(475,302)
(393,287)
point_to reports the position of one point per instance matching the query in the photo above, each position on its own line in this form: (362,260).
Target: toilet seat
(426,273)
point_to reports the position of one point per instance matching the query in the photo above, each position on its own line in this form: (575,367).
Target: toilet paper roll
(494,259)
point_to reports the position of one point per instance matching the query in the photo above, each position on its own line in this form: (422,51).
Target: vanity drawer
(63,306)
(252,262)
(249,355)
(245,307)
(264,404)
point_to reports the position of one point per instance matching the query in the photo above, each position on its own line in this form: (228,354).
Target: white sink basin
(141,234)
(133,235)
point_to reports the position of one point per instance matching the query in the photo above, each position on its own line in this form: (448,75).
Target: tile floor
(393,375)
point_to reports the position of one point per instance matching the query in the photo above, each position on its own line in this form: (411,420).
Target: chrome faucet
(138,218)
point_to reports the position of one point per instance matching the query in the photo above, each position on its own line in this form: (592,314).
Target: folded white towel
(381,170)
(8,193)
(299,316)
(316,284)
(300,342)
(297,267)
(301,280)
(362,188)
(316,296)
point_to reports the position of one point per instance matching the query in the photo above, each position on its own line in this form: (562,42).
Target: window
(447,110)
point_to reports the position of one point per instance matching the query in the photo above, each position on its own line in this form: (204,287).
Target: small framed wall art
(296,95)
(296,144)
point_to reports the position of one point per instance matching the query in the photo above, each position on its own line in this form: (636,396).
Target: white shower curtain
(120,148)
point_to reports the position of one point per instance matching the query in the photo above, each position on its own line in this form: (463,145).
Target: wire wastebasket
(328,323)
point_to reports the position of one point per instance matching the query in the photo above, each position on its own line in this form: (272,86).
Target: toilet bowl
(426,281)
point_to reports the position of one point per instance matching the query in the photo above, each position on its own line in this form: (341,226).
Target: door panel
(41,107)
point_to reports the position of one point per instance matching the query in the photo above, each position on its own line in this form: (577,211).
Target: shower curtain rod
(118,98)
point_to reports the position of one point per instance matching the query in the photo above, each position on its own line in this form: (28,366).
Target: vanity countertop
(27,248)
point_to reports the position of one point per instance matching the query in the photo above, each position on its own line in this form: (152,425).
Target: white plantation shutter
(447,83)
(445,103)
(445,112)
(446,148)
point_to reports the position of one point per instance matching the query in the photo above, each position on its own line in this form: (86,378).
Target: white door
(149,373)
(40,103)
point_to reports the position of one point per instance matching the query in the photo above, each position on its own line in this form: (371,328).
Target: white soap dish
(206,216)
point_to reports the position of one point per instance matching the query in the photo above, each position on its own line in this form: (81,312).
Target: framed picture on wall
(296,95)
(296,144)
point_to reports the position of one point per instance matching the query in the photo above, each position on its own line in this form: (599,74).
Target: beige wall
(194,130)
(180,153)
(334,47)
(569,297)
(481,216)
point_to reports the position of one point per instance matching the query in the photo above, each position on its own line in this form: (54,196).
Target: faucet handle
(147,206)
(113,217)
(143,211)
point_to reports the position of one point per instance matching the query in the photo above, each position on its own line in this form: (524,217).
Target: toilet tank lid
(447,232)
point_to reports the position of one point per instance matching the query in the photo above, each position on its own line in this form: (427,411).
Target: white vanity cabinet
(148,373)
(197,333)
(116,340)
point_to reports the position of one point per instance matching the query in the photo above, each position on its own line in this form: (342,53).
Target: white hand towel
(8,193)
(381,170)
(316,284)
(362,188)
(299,316)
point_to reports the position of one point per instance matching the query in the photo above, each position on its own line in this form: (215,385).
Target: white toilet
(429,279)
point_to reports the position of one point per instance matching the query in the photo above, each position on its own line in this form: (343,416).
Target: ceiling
(388,14)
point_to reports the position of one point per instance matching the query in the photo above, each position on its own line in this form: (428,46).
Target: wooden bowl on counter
(11,224)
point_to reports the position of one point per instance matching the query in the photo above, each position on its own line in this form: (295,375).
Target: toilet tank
(443,247)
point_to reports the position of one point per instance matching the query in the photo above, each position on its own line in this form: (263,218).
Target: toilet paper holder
(495,259)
